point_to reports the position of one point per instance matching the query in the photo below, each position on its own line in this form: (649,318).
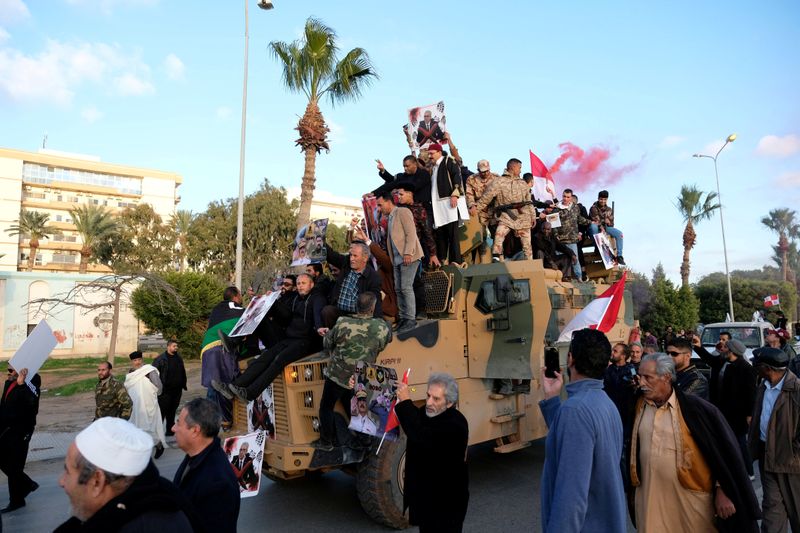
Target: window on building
(60,197)
(36,173)
(59,217)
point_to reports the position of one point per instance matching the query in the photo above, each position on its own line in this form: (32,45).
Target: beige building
(54,183)
(338,210)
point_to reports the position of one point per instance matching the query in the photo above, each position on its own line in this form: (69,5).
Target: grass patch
(81,362)
(76,387)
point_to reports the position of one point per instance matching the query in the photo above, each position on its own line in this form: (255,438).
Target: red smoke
(582,170)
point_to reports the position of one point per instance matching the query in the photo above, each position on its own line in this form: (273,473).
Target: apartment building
(338,210)
(54,183)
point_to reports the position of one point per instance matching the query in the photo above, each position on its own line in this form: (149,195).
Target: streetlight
(730,139)
(266,5)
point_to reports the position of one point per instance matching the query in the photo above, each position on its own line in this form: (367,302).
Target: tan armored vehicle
(489,321)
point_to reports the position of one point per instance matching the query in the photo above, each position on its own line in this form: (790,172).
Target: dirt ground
(73,413)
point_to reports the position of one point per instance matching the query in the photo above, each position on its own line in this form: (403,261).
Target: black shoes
(239,392)
(222,388)
(620,261)
(406,325)
(13,506)
(322,445)
(159,450)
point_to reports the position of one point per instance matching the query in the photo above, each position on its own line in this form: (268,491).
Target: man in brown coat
(773,440)
(405,250)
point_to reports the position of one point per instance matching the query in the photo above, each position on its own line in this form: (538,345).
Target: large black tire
(379,483)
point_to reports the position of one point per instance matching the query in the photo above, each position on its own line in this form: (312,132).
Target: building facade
(337,209)
(54,183)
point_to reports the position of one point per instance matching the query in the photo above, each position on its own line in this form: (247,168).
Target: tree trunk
(112,344)
(307,187)
(783,247)
(85,252)
(34,246)
(689,238)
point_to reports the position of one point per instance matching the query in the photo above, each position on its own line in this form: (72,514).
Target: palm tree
(694,209)
(93,223)
(34,226)
(310,66)
(782,221)
(181,221)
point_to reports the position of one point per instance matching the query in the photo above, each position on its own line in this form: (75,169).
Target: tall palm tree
(181,222)
(694,209)
(35,226)
(93,223)
(783,222)
(310,66)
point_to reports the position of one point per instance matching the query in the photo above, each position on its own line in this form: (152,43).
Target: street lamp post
(266,5)
(730,139)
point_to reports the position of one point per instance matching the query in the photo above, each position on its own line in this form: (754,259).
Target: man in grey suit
(405,250)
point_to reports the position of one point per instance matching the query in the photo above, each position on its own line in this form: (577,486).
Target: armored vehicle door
(507,310)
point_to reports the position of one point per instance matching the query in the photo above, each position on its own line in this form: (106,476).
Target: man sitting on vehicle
(602,217)
(356,276)
(554,254)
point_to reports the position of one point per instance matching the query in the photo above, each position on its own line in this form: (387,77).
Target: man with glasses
(689,379)
(772,439)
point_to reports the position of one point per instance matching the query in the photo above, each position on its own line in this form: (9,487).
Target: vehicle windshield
(749,336)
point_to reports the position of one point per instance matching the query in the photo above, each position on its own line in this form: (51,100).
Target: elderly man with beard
(685,465)
(436,453)
(113,486)
(143,385)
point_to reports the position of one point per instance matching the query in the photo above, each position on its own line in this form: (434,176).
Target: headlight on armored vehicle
(315,423)
(308,373)
(308,399)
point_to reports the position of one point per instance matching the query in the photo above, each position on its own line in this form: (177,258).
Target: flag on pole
(771,300)
(544,188)
(600,314)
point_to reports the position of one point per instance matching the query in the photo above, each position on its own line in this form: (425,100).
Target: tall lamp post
(266,5)
(730,139)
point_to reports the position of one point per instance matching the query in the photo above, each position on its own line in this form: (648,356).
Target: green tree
(783,222)
(336,237)
(687,309)
(748,296)
(142,242)
(181,223)
(33,226)
(311,66)
(184,318)
(662,309)
(93,223)
(694,209)
(639,287)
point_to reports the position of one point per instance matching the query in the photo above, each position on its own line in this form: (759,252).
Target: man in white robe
(144,385)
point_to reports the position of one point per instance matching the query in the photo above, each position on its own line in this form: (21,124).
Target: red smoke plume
(585,170)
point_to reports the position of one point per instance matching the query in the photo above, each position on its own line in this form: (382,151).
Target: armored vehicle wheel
(379,483)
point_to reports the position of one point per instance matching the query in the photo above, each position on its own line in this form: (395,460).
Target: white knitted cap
(116,446)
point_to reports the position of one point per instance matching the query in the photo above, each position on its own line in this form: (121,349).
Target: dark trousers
(447,243)
(13,454)
(331,393)
(781,501)
(168,402)
(263,370)
(452,526)
(559,262)
(748,461)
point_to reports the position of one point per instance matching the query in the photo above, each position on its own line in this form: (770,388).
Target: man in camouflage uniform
(351,340)
(568,233)
(110,395)
(476,186)
(512,198)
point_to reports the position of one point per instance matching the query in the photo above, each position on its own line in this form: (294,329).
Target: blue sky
(158,84)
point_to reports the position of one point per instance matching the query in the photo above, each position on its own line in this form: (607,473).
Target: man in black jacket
(414,173)
(690,380)
(303,337)
(436,451)
(446,189)
(553,253)
(356,276)
(733,388)
(205,476)
(18,409)
(173,378)
(113,485)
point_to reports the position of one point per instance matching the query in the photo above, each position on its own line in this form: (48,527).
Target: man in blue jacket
(205,476)
(582,486)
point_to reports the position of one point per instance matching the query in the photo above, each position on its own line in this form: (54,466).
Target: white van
(752,334)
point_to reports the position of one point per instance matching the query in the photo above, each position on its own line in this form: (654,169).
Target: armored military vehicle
(487,321)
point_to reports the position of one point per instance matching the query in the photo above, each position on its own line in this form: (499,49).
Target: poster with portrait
(256,310)
(245,454)
(554,219)
(426,124)
(372,400)
(309,243)
(604,246)
(261,414)
(375,223)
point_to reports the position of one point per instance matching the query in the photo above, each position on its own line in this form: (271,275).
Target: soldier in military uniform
(351,340)
(512,198)
(476,187)
(110,396)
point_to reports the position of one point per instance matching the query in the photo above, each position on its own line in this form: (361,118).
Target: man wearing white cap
(143,385)
(113,486)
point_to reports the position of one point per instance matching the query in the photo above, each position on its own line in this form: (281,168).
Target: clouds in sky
(774,146)
(12,11)
(58,72)
(91,114)
(174,67)
(671,141)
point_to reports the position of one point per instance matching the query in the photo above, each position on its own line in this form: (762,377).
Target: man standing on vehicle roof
(436,453)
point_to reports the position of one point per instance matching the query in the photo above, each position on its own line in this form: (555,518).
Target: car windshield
(749,336)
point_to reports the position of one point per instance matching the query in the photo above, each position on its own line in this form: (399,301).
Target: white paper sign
(34,350)
(254,314)
(554,219)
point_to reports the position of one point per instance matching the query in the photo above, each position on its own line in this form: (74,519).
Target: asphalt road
(504,497)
